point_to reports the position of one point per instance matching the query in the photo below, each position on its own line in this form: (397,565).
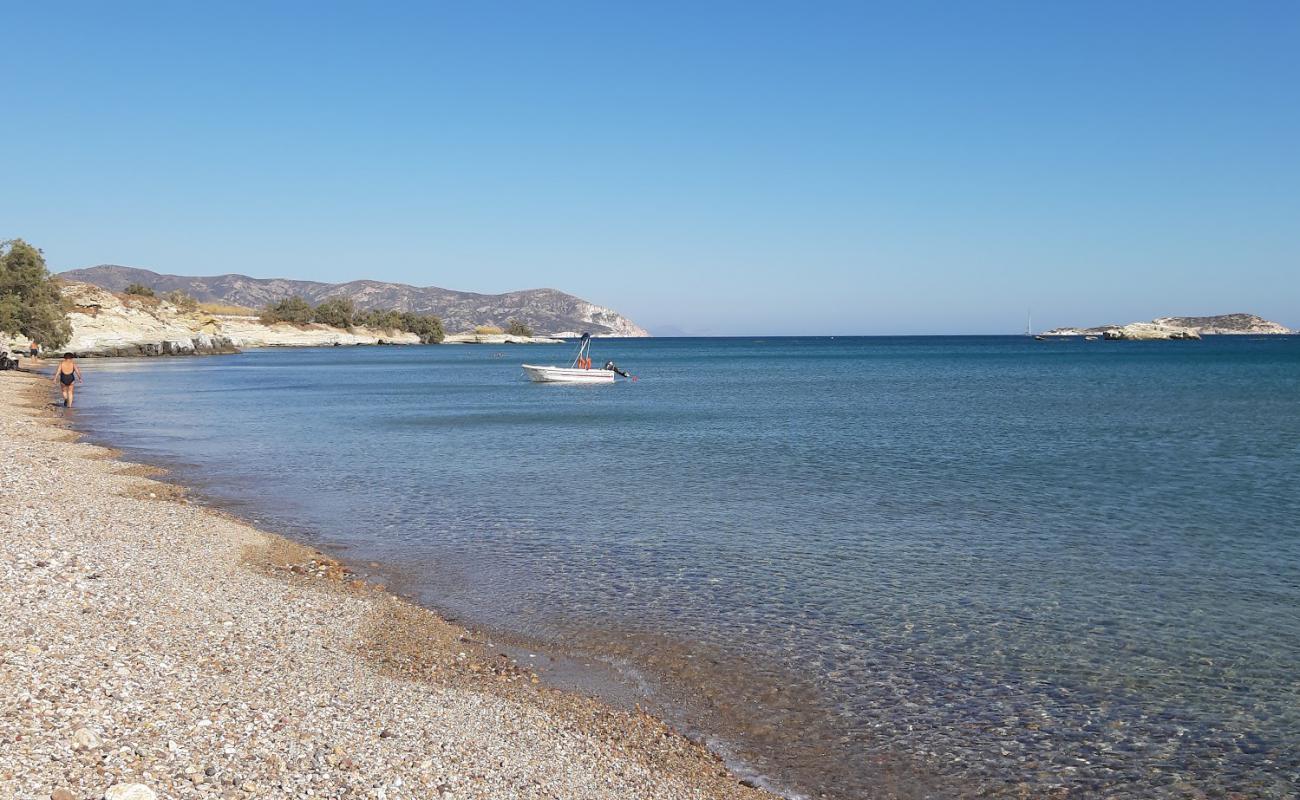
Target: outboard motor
(612,367)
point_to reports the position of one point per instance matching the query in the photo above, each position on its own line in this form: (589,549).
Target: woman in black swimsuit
(67,374)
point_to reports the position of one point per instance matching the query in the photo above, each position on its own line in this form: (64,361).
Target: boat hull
(539,374)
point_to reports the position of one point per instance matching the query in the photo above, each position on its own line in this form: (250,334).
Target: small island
(1181,328)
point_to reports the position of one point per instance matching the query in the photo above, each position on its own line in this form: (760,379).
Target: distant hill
(1203,326)
(546,311)
(1226,323)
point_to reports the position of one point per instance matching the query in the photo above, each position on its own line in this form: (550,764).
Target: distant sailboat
(1029,326)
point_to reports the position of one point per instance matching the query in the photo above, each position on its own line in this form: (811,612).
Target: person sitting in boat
(612,367)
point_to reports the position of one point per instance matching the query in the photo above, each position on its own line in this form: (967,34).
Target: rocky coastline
(109,324)
(548,311)
(154,648)
(1149,331)
(498,338)
(106,324)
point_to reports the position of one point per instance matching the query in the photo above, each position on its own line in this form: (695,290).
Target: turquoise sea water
(865,566)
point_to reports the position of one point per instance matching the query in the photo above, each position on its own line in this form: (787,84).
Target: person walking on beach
(67,374)
(34,350)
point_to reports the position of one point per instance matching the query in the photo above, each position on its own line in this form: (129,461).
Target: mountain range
(547,311)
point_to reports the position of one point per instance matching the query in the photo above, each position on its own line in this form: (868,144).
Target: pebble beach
(151,647)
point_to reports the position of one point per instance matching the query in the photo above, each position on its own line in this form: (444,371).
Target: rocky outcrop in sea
(1149,331)
(1181,328)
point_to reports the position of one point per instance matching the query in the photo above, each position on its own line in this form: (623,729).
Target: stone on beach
(130,791)
(85,739)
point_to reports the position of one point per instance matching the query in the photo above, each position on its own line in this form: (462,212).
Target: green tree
(138,289)
(426,326)
(379,319)
(30,302)
(336,311)
(291,309)
(517,328)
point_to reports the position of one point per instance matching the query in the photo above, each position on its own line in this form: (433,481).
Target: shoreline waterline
(586,671)
(603,672)
(401,651)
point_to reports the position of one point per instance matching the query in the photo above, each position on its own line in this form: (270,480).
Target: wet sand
(148,640)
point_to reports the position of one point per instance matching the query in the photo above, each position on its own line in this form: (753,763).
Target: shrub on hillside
(487,330)
(291,309)
(30,302)
(425,326)
(379,319)
(336,311)
(517,328)
(139,290)
(181,300)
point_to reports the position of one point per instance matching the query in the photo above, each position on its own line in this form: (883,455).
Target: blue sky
(717,168)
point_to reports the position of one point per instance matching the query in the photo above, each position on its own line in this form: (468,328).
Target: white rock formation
(1149,331)
(104,323)
(498,338)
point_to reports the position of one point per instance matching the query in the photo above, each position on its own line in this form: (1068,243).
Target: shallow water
(896,566)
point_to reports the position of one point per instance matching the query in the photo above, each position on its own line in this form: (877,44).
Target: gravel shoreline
(148,641)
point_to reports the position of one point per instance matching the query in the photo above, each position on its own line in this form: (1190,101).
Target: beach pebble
(85,739)
(130,791)
(62,794)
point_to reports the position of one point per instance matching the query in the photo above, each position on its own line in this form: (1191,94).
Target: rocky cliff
(546,311)
(1149,331)
(1181,328)
(108,324)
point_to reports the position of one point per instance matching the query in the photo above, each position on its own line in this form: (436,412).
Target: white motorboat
(568,374)
(580,371)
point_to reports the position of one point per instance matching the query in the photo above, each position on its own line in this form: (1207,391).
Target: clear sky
(716,168)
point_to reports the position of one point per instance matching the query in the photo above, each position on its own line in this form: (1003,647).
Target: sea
(854,566)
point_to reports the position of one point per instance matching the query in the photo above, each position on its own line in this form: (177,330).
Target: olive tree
(337,312)
(290,309)
(30,302)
